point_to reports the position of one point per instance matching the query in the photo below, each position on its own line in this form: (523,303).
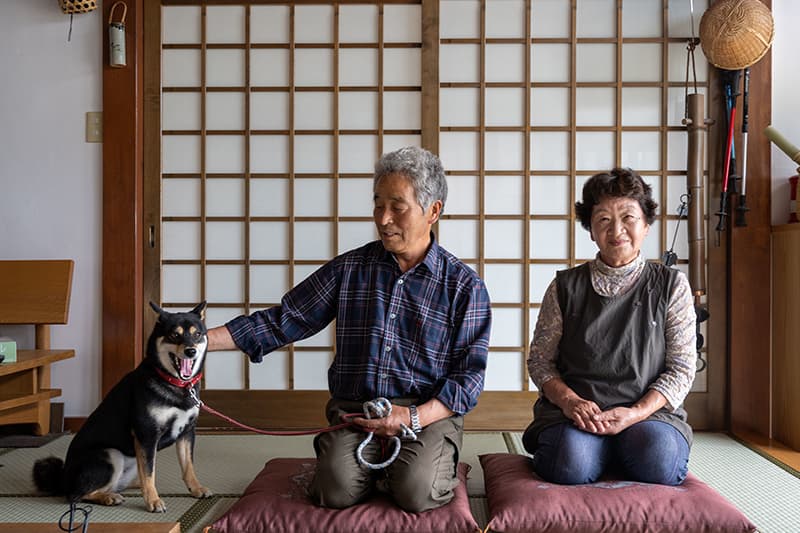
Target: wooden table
(25,388)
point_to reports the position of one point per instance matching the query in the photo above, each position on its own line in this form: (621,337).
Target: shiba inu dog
(149,409)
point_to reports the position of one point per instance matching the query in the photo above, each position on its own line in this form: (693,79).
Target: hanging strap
(124,12)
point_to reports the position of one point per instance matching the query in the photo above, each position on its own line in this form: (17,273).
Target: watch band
(415,425)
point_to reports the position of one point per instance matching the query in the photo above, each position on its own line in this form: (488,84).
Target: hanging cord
(670,257)
(377,408)
(70,514)
(690,46)
(69,35)
(700,311)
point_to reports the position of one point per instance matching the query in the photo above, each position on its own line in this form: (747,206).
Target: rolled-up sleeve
(463,384)
(303,311)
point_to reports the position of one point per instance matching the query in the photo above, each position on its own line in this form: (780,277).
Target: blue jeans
(650,452)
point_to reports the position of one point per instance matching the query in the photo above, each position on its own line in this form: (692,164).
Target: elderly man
(412,325)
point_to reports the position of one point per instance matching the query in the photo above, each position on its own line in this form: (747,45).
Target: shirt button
(387,349)
(393,316)
(400,281)
(384,376)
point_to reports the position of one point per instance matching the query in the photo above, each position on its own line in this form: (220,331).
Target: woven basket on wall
(70,7)
(734,34)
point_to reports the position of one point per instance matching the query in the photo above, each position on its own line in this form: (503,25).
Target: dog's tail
(48,475)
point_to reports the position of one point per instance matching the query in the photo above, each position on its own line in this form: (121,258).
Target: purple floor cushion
(277,501)
(520,501)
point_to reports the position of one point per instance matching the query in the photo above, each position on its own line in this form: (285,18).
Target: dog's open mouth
(183,366)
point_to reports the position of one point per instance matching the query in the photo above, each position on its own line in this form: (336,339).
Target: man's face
(403,226)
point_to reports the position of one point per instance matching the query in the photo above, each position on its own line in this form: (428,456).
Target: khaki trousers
(422,477)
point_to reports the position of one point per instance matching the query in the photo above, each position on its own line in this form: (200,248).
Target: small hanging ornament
(116,36)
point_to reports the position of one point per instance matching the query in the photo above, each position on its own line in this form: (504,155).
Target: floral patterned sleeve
(681,336)
(544,345)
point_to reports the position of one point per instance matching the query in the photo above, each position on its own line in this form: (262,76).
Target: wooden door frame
(738,388)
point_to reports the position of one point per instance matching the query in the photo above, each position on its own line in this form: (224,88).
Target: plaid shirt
(422,333)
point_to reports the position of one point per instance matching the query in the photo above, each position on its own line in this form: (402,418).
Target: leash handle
(381,408)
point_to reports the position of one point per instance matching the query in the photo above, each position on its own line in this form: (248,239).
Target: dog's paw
(112,498)
(156,506)
(201,492)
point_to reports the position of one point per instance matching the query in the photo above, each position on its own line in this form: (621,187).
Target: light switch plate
(94,127)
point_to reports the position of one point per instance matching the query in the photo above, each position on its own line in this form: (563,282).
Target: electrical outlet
(94,127)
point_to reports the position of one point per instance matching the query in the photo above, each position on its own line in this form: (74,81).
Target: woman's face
(618,228)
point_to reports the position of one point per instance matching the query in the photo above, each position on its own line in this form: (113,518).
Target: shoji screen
(273,115)
(536,96)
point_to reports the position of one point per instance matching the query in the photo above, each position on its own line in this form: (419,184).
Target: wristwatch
(415,425)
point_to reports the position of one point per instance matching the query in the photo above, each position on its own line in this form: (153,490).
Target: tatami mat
(47,509)
(480,511)
(18,464)
(193,522)
(767,494)
(474,445)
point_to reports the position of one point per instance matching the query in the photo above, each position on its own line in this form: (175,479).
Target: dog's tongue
(186,367)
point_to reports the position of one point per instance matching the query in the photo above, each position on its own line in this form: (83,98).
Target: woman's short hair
(618,183)
(423,169)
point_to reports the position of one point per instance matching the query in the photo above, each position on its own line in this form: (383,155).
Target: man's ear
(435,212)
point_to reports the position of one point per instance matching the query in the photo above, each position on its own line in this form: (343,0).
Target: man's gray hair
(421,167)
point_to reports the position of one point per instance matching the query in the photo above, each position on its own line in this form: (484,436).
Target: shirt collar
(431,260)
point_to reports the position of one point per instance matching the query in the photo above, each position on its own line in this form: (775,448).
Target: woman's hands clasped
(589,417)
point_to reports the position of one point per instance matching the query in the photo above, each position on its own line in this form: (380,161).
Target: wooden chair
(32,293)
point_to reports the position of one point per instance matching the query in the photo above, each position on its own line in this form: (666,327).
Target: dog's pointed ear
(200,310)
(157,309)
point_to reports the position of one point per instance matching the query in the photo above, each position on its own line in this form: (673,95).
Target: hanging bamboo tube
(696,127)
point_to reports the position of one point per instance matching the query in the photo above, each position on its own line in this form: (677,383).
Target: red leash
(380,406)
(189,385)
(216,413)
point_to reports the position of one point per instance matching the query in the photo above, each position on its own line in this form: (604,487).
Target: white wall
(50,179)
(785,101)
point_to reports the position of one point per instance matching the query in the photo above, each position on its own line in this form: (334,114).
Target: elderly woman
(613,353)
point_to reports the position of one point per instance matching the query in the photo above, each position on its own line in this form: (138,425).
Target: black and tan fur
(142,414)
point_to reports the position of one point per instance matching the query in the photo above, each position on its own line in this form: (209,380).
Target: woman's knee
(654,452)
(569,456)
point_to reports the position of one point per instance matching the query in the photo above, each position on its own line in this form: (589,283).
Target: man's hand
(388,426)
(429,412)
